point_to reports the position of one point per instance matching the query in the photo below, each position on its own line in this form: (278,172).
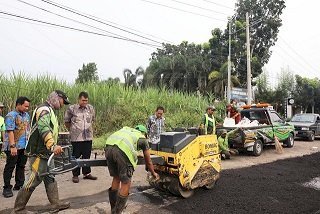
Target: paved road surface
(91,197)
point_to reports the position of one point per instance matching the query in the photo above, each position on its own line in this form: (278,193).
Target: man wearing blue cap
(121,154)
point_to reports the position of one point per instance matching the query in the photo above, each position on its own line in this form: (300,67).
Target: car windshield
(307,118)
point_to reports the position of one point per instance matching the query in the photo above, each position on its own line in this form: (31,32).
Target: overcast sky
(36,48)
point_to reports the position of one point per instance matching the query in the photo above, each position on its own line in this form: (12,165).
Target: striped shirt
(155,127)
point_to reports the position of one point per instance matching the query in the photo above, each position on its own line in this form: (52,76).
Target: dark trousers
(82,149)
(19,161)
(225,155)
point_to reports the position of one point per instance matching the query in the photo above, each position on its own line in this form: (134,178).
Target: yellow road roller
(190,161)
(184,160)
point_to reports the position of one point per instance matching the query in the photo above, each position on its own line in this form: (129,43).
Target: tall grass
(115,105)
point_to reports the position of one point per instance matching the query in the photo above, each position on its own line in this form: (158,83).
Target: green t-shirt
(223,142)
(2,127)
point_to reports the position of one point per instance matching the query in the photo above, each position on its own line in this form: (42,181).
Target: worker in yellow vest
(121,154)
(42,142)
(208,124)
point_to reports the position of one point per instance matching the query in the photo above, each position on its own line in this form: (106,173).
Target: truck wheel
(311,137)
(257,148)
(289,141)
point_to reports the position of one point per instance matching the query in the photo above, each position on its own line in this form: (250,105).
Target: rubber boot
(113,196)
(21,202)
(121,204)
(53,197)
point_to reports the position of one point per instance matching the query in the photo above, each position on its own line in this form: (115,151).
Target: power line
(72,19)
(202,8)
(294,59)
(299,55)
(76,59)
(113,23)
(88,17)
(76,29)
(39,24)
(251,25)
(27,45)
(221,5)
(260,20)
(174,8)
(284,58)
(12,19)
(75,21)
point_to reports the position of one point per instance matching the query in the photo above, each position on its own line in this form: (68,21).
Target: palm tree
(131,79)
(127,73)
(219,79)
(138,73)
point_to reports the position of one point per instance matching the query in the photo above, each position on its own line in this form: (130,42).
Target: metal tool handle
(70,163)
(67,164)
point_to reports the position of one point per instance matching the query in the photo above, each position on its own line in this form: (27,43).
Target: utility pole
(248,61)
(229,65)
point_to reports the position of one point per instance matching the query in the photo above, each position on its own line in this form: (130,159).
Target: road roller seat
(173,142)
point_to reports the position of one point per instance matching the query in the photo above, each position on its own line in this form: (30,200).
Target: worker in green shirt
(225,151)
(2,127)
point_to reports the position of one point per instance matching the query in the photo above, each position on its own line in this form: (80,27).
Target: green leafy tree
(88,73)
(111,80)
(317,96)
(186,67)
(265,22)
(263,92)
(305,91)
(284,89)
(218,48)
(182,67)
(307,94)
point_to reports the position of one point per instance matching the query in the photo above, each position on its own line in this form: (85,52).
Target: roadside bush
(116,106)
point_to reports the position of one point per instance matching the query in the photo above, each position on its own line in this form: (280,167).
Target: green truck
(269,125)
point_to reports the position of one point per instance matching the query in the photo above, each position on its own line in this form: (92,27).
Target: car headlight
(305,128)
